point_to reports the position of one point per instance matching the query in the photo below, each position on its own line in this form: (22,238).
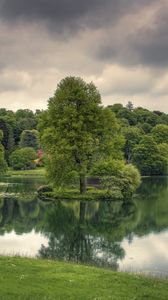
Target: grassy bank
(35,172)
(30,279)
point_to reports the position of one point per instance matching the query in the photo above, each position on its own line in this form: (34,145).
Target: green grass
(35,172)
(28,279)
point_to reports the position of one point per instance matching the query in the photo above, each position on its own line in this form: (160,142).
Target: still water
(129,237)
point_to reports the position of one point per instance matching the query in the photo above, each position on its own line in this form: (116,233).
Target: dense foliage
(29,138)
(117,178)
(146,138)
(19,130)
(23,159)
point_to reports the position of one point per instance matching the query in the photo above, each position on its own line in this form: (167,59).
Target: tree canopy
(146,138)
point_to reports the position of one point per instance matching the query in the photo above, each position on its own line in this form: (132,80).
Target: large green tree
(79,130)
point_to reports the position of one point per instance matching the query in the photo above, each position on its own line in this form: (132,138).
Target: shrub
(132,179)
(23,159)
(124,184)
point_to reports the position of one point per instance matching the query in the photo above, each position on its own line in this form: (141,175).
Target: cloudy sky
(120,45)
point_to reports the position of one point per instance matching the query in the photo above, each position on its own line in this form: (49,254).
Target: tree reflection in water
(20,210)
(20,216)
(88,238)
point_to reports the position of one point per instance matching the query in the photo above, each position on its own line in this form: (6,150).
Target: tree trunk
(82,184)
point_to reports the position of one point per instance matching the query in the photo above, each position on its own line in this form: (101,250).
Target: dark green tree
(130,105)
(24,113)
(145,116)
(132,135)
(148,158)
(163,150)
(25,120)
(146,127)
(8,137)
(160,133)
(126,113)
(30,138)
(116,107)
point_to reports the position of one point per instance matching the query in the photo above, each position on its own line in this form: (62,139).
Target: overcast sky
(120,45)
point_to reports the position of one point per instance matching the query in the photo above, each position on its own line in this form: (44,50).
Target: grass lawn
(35,172)
(23,279)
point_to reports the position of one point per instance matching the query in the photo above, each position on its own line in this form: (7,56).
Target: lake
(128,237)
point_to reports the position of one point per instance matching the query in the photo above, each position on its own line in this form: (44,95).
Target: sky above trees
(122,46)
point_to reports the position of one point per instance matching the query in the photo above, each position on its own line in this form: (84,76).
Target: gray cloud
(151,44)
(121,45)
(68,13)
(146,45)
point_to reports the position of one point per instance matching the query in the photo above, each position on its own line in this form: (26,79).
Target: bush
(23,159)
(132,179)
(124,184)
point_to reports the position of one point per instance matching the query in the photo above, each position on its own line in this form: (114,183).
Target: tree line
(19,138)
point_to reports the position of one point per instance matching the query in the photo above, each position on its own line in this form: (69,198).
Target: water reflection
(132,236)
(87,237)
(26,244)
